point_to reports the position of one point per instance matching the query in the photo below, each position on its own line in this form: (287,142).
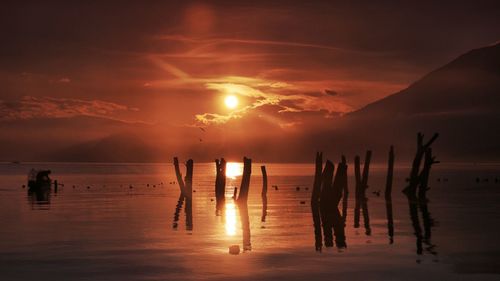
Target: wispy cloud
(30,107)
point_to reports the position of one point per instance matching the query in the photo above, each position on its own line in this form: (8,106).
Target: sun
(231,101)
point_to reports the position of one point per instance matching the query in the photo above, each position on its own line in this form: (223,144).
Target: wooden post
(337,189)
(188,181)
(186,188)
(178,174)
(388,196)
(55,186)
(411,189)
(390,173)
(424,175)
(345,197)
(315,197)
(264,193)
(220,185)
(364,199)
(326,203)
(245,180)
(357,198)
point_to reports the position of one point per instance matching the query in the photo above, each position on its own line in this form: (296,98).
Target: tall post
(357,198)
(315,197)
(390,173)
(245,180)
(264,193)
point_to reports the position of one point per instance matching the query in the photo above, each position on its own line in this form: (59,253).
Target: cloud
(331,92)
(30,107)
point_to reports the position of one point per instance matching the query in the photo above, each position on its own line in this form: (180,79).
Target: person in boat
(39,179)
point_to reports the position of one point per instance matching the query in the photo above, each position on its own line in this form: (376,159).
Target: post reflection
(39,199)
(234,212)
(423,238)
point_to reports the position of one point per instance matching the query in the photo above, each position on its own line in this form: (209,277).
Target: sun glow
(231,101)
(234,169)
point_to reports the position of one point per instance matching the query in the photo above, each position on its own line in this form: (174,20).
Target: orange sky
(163,69)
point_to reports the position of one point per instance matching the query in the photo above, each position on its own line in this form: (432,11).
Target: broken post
(390,173)
(220,185)
(361,186)
(424,175)
(186,188)
(315,196)
(245,180)
(364,199)
(326,203)
(357,196)
(264,193)
(338,185)
(411,189)
(345,191)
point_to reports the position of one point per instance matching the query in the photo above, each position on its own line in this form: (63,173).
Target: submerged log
(315,197)
(264,193)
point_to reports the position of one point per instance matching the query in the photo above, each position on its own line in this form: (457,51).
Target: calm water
(110,231)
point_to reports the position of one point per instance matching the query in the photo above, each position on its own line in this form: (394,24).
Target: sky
(162,69)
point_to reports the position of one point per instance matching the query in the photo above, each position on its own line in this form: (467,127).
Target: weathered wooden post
(390,173)
(178,174)
(55,186)
(186,188)
(315,206)
(338,188)
(264,193)
(242,203)
(245,180)
(361,186)
(424,175)
(388,196)
(364,205)
(220,185)
(345,197)
(326,203)
(189,189)
(411,189)
(357,198)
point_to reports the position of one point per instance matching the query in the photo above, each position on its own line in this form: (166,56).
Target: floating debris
(234,249)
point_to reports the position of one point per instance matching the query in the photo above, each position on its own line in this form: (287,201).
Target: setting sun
(231,101)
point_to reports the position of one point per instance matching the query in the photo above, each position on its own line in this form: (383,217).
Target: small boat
(39,180)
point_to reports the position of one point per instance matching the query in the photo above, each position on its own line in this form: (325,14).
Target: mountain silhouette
(460,100)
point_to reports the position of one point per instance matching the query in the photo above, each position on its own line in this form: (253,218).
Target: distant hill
(115,148)
(460,100)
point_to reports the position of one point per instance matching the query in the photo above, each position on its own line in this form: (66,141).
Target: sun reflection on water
(230,218)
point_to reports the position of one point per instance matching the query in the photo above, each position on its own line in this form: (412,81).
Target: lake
(117,222)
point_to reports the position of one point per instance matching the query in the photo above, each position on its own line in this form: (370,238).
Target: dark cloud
(331,92)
